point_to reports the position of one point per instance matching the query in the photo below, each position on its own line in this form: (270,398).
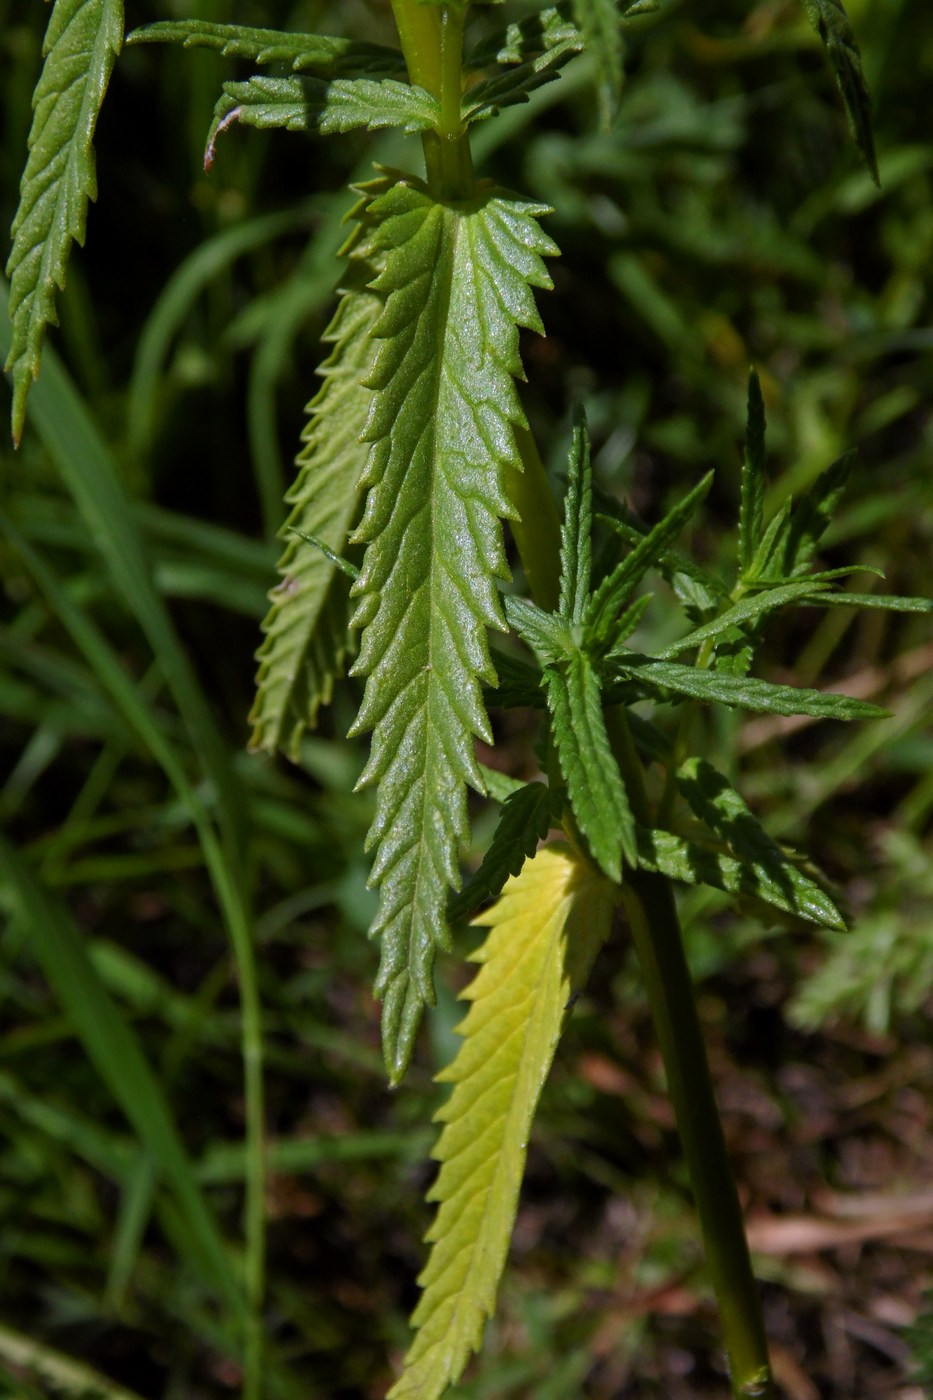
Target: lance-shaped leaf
(831,22)
(696,863)
(753,476)
(724,812)
(544,934)
(307,626)
(748,609)
(594,784)
(744,692)
(324,54)
(457,285)
(559,42)
(616,587)
(313,104)
(577,526)
(80,47)
(524,821)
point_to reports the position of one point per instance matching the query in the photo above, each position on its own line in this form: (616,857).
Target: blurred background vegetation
(723,219)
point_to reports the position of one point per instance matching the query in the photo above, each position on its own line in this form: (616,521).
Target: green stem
(432,42)
(652,914)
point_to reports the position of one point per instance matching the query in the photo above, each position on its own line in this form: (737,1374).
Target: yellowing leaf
(545,931)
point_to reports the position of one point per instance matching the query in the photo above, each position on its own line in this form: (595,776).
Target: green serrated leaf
(594,785)
(545,932)
(699,590)
(831,22)
(746,610)
(80,48)
(456,287)
(885,602)
(326,107)
(616,586)
(753,476)
(743,692)
(812,515)
(697,864)
(576,530)
(600,24)
(725,814)
(326,55)
(545,633)
(307,627)
(525,820)
(536,51)
(525,39)
(518,685)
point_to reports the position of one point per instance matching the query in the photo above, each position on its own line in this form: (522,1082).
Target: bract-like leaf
(744,692)
(724,812)
(456,285)
(699,864)
(313,104)
(544,934)
(524,821)
(306,628)
(753,476)
(831,22)
(577,527)
(600,24)
(594,785)
(326,55)
(80,48)
(616,586)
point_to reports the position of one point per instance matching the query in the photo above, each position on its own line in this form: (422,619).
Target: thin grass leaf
(726,815)
(697,864)
(326,55)
(594,785)
(525,820)
(457,285)
(308,625)
(545,932)
(616,587)
(577,527)
(115,1052)
(743,692)
(831,22)
(80,48)
(751,505)
(56,1373)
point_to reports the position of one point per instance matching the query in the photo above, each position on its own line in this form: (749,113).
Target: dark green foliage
(831,22)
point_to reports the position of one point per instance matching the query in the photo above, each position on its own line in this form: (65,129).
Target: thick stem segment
(432,42)
(652,914)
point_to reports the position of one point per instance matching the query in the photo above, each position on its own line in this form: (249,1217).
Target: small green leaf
(544,934)
(327,56)
(698,864)
(725,814)
(744,692)
(811,516)
(518,685)
(885,602)
(307,627)
(313,104)
(456,287)
(616,587)
(831,22)
(80,48)
(557,43)
(600,24)
(753,476)
(524,821)
(748,609)
(594,785)
(575,542)
(545,633)
(699,590)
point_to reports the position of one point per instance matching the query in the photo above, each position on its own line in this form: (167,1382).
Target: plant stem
(432,42)
(537,531)
(652,913)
